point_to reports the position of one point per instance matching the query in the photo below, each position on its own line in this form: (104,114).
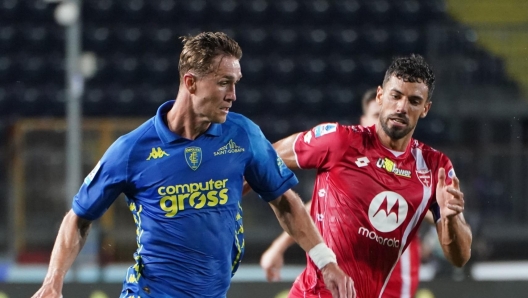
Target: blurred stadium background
(305,62)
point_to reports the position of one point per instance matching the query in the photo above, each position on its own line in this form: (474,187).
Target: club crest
(193,157)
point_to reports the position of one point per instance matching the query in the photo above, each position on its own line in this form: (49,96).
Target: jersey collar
(167,136)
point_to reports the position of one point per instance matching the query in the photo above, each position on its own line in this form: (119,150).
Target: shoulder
(127,142)
(242,123)
(342,132)
(430,154)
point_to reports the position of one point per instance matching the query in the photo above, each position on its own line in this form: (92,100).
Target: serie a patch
(324,129)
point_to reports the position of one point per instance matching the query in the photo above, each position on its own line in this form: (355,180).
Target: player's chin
(219,118)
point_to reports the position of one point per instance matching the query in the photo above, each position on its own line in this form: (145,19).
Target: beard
(395,133)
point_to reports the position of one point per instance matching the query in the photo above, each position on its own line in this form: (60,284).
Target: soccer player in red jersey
(404,279)
(375,184)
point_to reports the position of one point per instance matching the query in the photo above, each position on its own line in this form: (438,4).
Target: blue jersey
(185,198)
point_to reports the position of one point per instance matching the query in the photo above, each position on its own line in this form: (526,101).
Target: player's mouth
(225,109)
(399,122)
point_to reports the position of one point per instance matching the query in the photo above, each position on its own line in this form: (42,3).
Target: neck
(184,121)
(389,143)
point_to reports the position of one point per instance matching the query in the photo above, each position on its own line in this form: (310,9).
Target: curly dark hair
(199,51)
(412,69)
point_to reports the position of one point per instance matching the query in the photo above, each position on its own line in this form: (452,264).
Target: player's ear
(426,109)
(379,93)
(189,81)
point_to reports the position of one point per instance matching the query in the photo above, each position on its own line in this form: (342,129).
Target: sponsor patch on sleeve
(451,173)
(92,174)
(324,129)
(282,166)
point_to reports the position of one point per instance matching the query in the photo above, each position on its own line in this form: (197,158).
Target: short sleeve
(321,147)
(450,174)
(104,183)
(266,172)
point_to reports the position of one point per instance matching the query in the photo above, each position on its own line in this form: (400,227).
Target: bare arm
(295,221)
(455,237)
(453,231)
(70,240)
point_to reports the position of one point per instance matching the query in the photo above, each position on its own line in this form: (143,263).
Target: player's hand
(449,197)
(339,284)
(47,292)
(271,262)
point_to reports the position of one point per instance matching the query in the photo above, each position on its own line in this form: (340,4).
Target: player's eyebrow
(415,97)
(231,78)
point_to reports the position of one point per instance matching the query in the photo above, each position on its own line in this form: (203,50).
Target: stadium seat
(35,38)
(99,39)
(98,11)
(408,12)
(349,12)
(10,10)
(253,40)
(378,12)
(132,11)
(8,39)
(40,11)
(404,41)
(226,11)
(130,39)
(286,12)
(6,68)
(162,11)
(377,41)
(194,12)
(346,40)
(250,100)
(315,39)
(254,11)
(318,12)
(343,69)
(253,70)
(280,98)
(282,69)
(373,70)
(284,40)
(312,70)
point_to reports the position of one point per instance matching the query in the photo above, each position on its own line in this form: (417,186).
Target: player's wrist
(322,255)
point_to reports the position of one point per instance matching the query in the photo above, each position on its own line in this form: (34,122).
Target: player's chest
(196,159)
(374,174)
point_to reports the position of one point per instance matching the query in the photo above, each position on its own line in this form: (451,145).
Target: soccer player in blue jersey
(182,173)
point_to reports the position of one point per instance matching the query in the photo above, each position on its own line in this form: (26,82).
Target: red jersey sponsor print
(368,202)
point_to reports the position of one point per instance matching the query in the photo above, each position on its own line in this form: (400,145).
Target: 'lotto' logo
(387,211)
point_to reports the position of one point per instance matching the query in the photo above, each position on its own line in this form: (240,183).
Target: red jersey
(405,277)
(368,202)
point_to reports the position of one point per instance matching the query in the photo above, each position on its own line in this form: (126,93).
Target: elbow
(462,260)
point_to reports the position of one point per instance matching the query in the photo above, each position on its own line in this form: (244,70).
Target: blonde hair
(199,52)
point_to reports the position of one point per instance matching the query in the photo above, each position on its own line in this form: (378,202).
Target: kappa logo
(157,153)
(193,157)
(387,211)
(230,147)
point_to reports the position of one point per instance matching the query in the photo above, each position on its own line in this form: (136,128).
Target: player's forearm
(456,240)
(70,240)
(295,220)
(284,241)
